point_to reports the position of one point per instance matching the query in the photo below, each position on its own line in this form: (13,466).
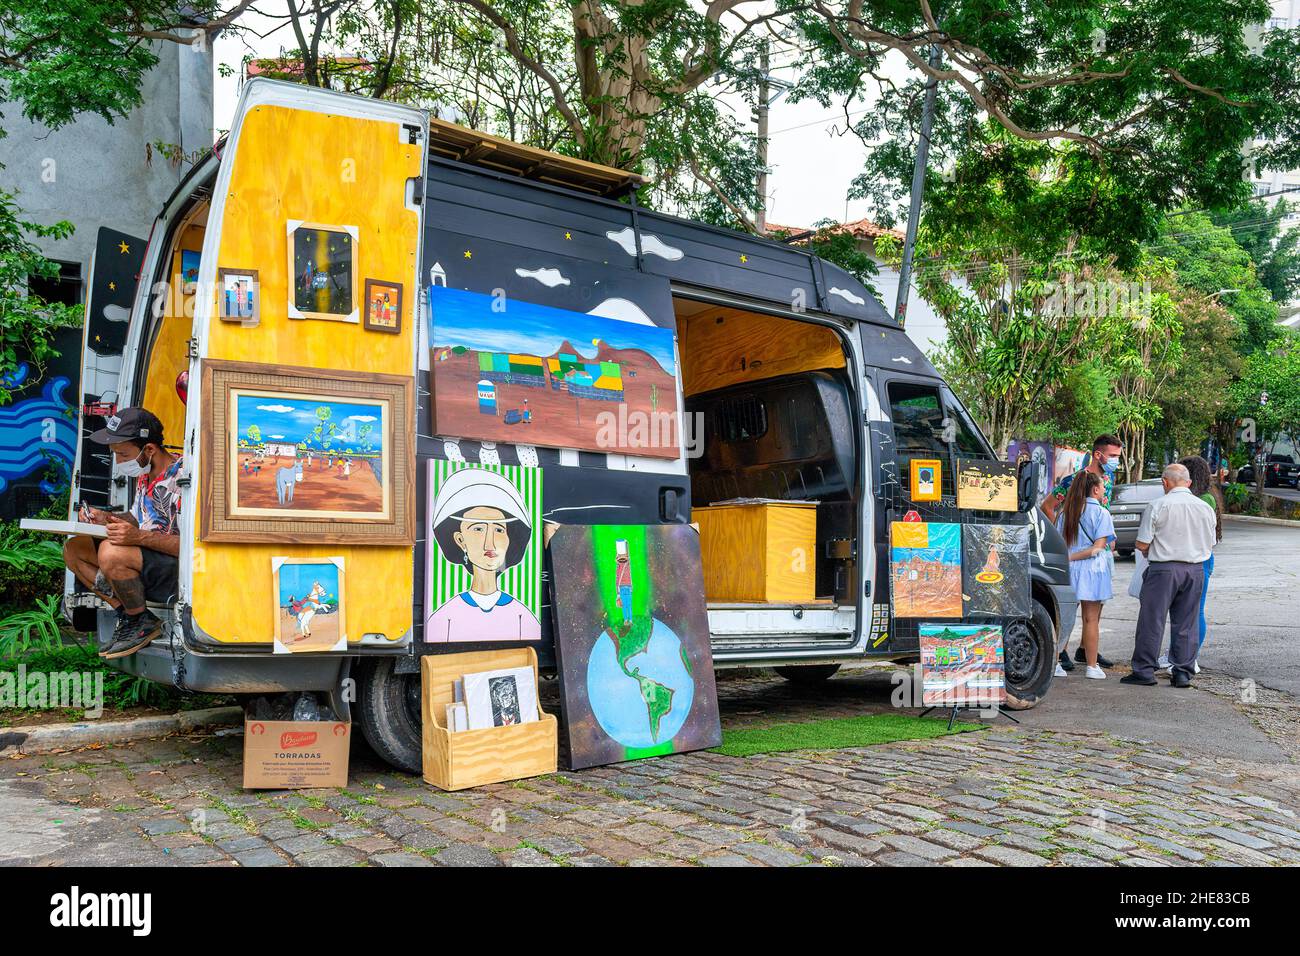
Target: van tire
(806,674)
(388,710)
(1030,657)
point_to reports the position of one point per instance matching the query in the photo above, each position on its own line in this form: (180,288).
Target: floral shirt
(1058,493)
(157,504)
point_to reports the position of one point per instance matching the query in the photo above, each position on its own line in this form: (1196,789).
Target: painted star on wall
(123,248)
(468,254)
(744,258)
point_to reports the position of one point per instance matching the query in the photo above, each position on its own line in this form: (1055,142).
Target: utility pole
(918,187)
(760,119)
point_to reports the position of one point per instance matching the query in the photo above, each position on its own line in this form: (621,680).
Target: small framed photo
(308,605)
(240,296)
(927,479)
(322,272)
(383,306)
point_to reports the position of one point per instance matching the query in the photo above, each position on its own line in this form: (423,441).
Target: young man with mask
(1104,463)
(137,562)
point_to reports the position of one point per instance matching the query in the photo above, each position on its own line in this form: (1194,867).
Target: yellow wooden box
(472,758)
(760,553)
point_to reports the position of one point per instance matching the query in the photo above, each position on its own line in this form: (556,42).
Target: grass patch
(835,734)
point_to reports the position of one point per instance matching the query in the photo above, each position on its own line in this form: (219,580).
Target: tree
(1208,259)
(254,434)
(1151,100)
(1257,228)
(1267,394)
(1142,347)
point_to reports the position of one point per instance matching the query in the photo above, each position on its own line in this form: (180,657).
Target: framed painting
(239,296)
(632,642)
(306,455)
(926,479)
(308,605)
(322,271)
(962,665)
(513,371)
(995,570)
(987,485)
(483,553)
(925,569)
(383,306)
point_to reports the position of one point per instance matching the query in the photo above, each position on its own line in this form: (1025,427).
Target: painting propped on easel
(962,665)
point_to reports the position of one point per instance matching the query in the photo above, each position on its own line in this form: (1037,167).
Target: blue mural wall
(38,430)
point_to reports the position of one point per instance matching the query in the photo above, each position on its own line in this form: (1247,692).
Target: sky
(813,160)
(466,318)
(292,419)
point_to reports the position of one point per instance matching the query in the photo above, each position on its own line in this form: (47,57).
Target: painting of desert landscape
(513,371)
(317,456)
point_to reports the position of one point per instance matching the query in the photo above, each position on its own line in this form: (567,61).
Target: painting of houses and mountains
(307,456)
(512,371)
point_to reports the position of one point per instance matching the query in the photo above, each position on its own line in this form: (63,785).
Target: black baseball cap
(130,424)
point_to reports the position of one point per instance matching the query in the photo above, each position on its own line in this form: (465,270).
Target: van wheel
(1030,658)
(808,673)
(388,710)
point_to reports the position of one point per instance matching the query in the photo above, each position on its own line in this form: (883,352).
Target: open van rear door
(114,273)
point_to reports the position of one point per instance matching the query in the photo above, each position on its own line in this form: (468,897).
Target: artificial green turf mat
(835,733)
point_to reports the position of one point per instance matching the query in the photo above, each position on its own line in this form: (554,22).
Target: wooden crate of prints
(472,758)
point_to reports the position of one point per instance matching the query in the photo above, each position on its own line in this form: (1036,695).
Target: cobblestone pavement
(1004,796)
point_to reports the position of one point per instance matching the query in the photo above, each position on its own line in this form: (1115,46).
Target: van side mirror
(1027,485)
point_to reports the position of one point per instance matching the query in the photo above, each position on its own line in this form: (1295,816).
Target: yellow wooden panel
(722,347)
(293,164)
(472,758)
(169,355)
(760,553)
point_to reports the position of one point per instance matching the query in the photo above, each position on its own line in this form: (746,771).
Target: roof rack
(494,152)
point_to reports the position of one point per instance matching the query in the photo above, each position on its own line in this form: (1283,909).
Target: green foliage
(1235,494)
(1208,259)
(1257,228)
(1275,373)
(1148,102)
(37,627)
(31,566)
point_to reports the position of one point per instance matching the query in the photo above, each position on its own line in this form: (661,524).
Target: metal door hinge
(192,346)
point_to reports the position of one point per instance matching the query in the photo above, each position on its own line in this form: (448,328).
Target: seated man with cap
(137,562)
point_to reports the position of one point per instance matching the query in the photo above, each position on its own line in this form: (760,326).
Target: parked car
(1278,470)
(1127,505)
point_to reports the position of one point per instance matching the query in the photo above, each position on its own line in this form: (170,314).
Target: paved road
(1253,608)
(1049,792)
(1100,774)
(1289,494)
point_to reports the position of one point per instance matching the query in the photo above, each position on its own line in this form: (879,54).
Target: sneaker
(132,633)
(1180,679)
(1101,660)
(1065,663)
(1060,672)
(1096,673)
(1162,665)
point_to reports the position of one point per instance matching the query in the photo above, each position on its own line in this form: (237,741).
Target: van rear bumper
(261,674)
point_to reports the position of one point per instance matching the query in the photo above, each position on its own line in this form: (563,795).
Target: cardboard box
(290,754)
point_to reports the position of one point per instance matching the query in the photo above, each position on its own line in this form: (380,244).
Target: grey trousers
(1171,590)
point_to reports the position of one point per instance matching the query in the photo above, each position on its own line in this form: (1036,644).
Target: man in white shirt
(1177,536)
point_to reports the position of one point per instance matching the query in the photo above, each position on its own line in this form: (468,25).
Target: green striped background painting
(445,579)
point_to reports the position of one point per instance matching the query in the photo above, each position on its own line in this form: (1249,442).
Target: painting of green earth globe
(643,698)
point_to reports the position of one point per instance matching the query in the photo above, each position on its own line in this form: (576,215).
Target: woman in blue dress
(1089,534)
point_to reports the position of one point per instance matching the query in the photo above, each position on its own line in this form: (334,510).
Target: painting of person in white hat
(481,521)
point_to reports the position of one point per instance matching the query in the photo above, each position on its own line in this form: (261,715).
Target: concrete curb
(1280,522)
(50,737)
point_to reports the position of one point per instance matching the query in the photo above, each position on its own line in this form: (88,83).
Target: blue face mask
(1111,465)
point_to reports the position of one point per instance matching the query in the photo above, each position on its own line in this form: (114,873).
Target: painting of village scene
(317,456)
(962,665)
(309,605)
(518,372)
(925,569)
